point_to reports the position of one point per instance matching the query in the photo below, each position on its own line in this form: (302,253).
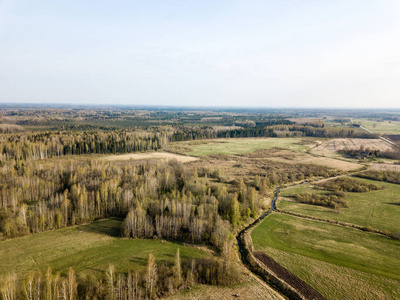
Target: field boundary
(339,223)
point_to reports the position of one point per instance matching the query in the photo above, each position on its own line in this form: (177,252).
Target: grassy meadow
(243,145)
(382,127)
(340,255)
(89,249)
(377,209)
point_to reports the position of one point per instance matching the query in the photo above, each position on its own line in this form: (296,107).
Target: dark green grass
(376,209)
(89,249)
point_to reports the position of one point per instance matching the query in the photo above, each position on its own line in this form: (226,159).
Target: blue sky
(201,53)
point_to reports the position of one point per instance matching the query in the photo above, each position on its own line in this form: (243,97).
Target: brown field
(333,145)
(156,155)
(304,158)
(385,167)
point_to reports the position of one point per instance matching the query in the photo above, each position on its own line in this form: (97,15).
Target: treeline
(324,132)
(309,130)
(156,280)
(332,200)
(11,128)
(387,176)
(188,134)
(346,184)
(31,146)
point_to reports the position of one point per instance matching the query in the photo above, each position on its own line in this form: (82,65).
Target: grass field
(340,262)
(382,127)
(377,209)
(87,248)
(244,145)
(250,288)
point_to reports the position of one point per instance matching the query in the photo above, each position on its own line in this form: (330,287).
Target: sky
(292,53)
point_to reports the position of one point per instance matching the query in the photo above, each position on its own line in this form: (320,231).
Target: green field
(339,255)
(377,209)
(244,145)
(89,249)
(382,127)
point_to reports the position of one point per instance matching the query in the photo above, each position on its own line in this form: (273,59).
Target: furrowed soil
(284,274)
(330,147)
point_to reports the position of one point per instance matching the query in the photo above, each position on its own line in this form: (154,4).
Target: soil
(306,290)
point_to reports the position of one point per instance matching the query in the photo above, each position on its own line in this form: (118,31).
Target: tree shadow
(109,227)
(393,203)
(139,260)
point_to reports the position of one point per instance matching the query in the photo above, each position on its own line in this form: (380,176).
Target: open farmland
(88,248)
(305,158)
(329,147)
(380,126)
(377,209)
(287,150)
(244,145)
(339,262)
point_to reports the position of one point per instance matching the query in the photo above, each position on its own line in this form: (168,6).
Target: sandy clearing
(385,167)
(154,155)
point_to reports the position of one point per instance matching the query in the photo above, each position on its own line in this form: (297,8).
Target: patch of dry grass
(151,155)
(250,287)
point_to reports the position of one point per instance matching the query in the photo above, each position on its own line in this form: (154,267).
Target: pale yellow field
(154,155)
(330,146)
(304,158)
(385,167)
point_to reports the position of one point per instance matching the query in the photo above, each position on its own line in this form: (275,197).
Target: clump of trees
(347,184)
(333,200)
(370,153)
(387,176)
(158,199)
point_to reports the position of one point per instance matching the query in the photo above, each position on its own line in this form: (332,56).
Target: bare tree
(151,276)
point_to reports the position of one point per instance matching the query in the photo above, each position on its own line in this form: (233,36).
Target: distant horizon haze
(267,54)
